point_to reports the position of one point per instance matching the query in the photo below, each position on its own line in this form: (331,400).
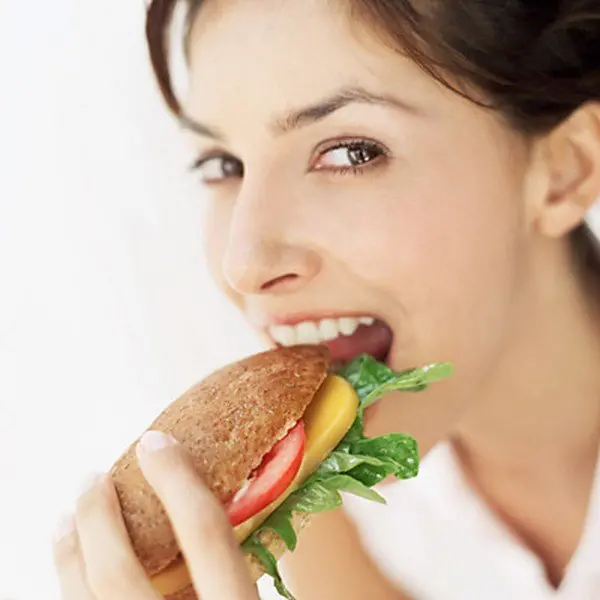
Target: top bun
(227,422)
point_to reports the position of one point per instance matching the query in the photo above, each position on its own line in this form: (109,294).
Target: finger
(213,555)
(68,562)
(113,570)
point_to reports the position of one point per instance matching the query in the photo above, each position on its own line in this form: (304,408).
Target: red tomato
(275,474)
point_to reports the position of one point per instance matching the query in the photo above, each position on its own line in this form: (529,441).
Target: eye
(216,169)
(352,155)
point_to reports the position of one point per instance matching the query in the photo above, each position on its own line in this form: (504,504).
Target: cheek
(215,237)
(458,269)
(442,243)
(467,250)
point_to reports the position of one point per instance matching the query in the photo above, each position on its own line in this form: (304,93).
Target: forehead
(267,54)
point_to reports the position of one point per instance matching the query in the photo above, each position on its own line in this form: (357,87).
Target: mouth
(346,337)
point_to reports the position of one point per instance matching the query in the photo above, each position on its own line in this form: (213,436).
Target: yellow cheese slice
(326,421)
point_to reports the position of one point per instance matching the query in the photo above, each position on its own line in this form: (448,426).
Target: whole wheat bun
(227,422)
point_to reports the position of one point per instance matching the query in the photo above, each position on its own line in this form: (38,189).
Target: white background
(106,311)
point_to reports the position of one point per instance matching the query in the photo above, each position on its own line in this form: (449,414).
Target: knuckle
(91,505)
(111,578)
(65,551)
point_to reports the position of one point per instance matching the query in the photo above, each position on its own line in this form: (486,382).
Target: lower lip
(375,340)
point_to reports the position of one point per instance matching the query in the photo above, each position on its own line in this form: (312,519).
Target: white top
(439,541)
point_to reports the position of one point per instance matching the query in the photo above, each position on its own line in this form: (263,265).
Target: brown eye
(216,169)
(346,155)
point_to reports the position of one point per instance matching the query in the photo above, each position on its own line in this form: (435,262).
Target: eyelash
(381,155)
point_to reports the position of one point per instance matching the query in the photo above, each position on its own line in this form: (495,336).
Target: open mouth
(345,337)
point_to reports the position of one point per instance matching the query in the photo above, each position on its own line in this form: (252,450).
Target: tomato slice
(274,475)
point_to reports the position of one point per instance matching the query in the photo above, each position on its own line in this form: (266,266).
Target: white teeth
(307,333)
(328,330)
(347,325)
(285,335)
(310,332)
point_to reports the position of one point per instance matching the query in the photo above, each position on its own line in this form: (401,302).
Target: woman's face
(344,182)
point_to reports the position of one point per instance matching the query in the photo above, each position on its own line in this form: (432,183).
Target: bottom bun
(189,593)
(269,540)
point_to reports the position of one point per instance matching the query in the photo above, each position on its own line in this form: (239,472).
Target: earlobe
(573,152)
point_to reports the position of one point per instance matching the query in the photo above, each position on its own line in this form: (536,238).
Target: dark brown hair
(533,61)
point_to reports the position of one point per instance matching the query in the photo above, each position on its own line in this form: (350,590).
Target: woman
(429,165)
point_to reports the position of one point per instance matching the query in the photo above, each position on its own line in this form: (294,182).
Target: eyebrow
(313,113)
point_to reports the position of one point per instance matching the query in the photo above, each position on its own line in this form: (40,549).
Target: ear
(572,154)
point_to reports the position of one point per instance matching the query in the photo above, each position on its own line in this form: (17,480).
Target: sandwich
(277,436)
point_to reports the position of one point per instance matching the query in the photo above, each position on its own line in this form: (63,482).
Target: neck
(541,407)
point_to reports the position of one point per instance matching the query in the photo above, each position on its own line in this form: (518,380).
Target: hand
(93,555)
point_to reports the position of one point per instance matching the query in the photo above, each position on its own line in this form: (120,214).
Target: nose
(268,248)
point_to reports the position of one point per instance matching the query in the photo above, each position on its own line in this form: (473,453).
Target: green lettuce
(356,464)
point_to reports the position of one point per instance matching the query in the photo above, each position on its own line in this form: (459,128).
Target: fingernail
(153,441)
(64,527)
(89,482)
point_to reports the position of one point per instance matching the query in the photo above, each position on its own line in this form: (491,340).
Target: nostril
(278,281)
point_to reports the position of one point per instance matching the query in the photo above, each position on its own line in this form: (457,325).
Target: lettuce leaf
(357,463)
(269,564)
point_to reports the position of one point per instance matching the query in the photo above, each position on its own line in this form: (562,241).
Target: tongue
(374,339)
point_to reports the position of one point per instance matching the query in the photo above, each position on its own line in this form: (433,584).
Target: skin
(455,233)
